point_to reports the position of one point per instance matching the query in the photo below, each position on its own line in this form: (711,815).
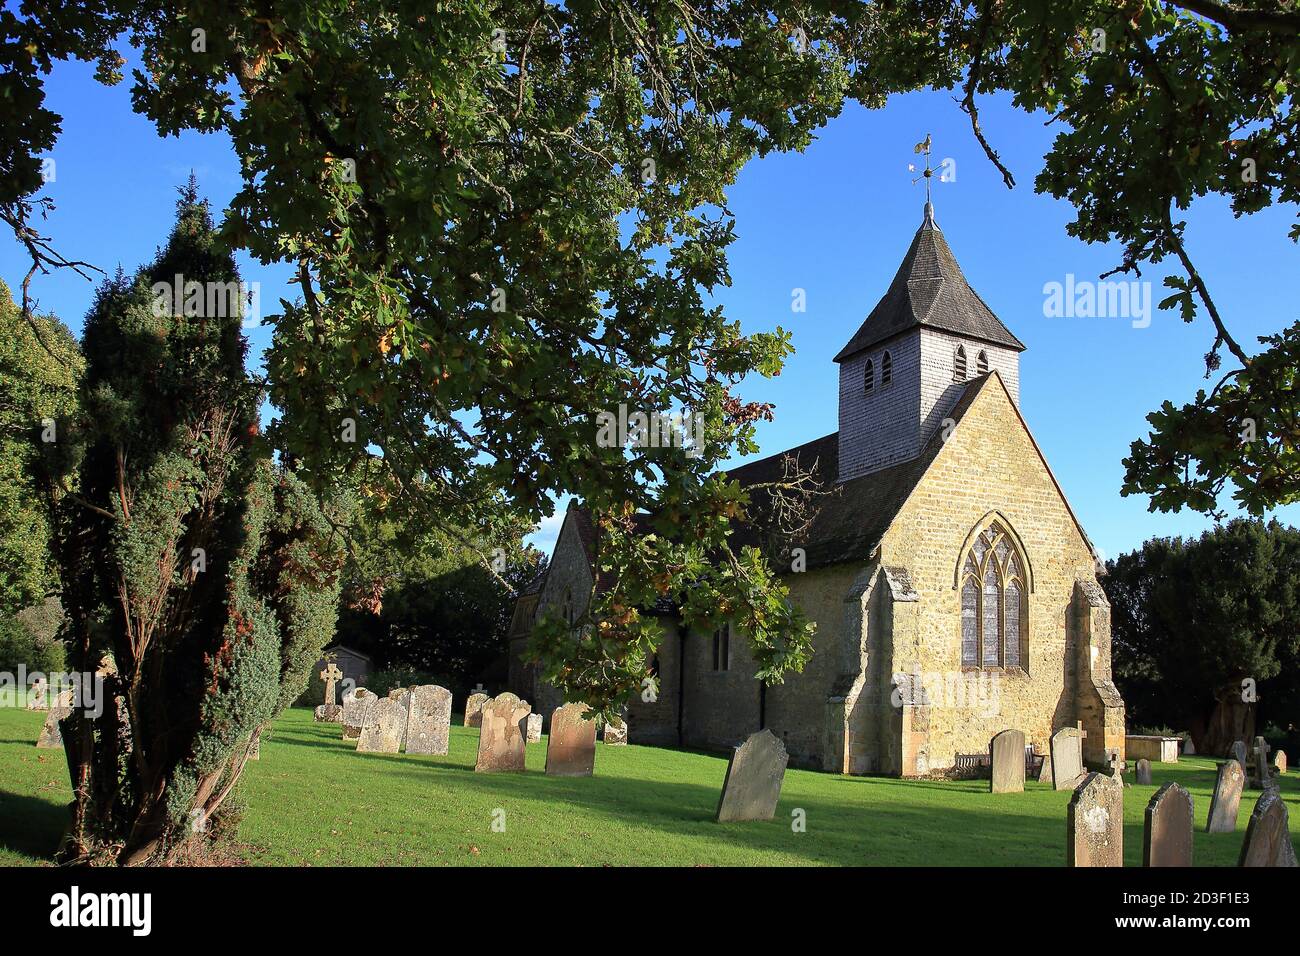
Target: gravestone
(1268,834)
(1143,772)
(474,709)
(357,704)
(1226,799)
(615,733)
(1279,762)
(330,711)
(1238,753)
(754,776)
(571,747)
(429,723)
(1007,751)
(1189,748)
(36,697)
(533,728)
(1167,830)
(501,738)
(1095,823)
(51,737)
(1258,776)
(1045,768)
(1067,758)
(1115,763)
(385,728)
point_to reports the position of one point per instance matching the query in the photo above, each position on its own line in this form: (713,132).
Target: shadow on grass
(30,825)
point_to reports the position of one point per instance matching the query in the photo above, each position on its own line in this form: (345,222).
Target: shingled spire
(907,363)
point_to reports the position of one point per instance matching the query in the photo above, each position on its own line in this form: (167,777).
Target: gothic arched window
(982,363)
(869,377)
(886,369)
(993,602)
(959,364)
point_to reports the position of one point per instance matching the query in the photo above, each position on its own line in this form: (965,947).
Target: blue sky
(834,221)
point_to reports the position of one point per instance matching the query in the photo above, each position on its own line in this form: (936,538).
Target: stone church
(954,590)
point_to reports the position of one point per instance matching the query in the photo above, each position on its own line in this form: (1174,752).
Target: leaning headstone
(51,737)
(501,740)
(385,729)
(1067,758)
(357,705)
(1143,772)
(1007,751)
(1095,823)
(429,723)
(474,709)
(1268,834)
(1279,762)
(571,747)
(330,711)
(615,733)
(754,776)
(533,728)
(1226,799)
(36,696)
(1189,748)
(1167,830)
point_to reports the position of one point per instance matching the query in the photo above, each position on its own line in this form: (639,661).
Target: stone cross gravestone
(51,737)
(1226,799)
(1279,762)
(533,728)
(1258,776)
(429,723)
(1268,834)
(385,728)
(36,698)
(1007,751)
(754,776)
(474,709)
(357,705)
(615,733)
(330,711)
(1067,757)
(1167,829)
(1116,765)
(1143,772)
(1095,823)
(571,747)
(501,738)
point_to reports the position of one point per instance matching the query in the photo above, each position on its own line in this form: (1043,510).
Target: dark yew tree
(200,579)
(1204,630)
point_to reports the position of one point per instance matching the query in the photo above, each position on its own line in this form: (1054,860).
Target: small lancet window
(959,365)
(886,369)
(869,376)
(982,363)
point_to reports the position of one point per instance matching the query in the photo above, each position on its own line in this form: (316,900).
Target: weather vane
(923,147)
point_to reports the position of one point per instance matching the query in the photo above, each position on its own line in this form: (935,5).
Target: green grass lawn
(312,800)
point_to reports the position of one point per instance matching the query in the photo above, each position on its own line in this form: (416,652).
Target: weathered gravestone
(36,697)
(429,723)
(1279,762)
(330,711)
(1258,776)
(533,728)
(1189,748)
(754,776)
(1045,768)
(385,728)
(1226,799)
(1268,834)
(1238,753)
(1143,772)
(1115,763)
(1067,758)
(1095,823)
(615,733)
(1007,751)
(357,705)
(1167,830)
(571,747)
(501,738)
(474,709)
(51,737)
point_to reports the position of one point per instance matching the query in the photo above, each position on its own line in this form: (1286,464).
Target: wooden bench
(975,765)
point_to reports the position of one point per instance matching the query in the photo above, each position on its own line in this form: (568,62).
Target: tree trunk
(1230,720)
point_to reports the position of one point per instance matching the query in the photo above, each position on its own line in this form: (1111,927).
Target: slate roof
(929,290)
